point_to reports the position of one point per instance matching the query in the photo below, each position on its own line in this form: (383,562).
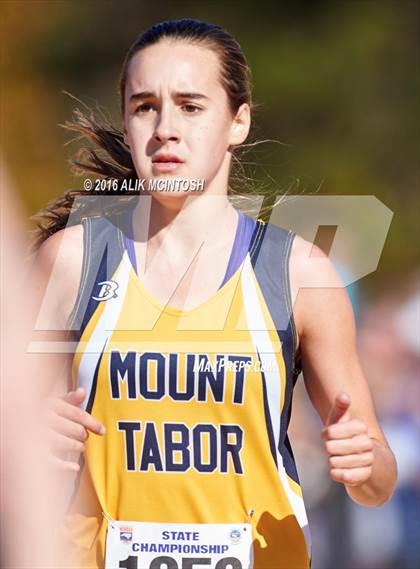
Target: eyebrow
(177,95)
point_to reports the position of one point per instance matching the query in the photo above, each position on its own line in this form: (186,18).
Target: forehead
(181,66)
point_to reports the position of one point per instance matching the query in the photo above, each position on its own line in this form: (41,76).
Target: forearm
(380,485)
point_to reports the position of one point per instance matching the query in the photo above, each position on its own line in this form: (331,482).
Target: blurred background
(337,83)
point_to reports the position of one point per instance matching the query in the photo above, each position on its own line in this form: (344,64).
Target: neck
(190,218)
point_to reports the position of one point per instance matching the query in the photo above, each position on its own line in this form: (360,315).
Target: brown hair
(111,158)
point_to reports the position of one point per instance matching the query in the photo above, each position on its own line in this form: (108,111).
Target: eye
(144,108)
(190,108)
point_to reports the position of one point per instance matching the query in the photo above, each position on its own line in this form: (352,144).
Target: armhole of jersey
(87,242)
(287,288)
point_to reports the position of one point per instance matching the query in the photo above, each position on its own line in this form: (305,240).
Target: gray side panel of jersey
(103,247)
(271,267)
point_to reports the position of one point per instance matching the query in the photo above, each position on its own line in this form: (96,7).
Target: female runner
(188,345)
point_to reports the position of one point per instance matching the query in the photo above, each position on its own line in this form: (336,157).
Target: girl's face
(177,119)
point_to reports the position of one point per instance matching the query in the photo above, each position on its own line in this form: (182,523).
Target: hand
(348,445)
(69,428)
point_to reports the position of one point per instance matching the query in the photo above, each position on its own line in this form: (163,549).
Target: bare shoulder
(68,241)
(58,263)
(318,293)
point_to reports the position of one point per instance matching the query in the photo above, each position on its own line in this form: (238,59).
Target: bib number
(148,545)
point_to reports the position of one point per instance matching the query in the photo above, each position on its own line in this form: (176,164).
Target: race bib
(149,545)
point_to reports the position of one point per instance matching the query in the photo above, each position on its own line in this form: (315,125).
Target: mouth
(166,162)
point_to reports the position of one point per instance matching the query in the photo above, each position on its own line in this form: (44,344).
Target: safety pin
(250,513)
(109,519)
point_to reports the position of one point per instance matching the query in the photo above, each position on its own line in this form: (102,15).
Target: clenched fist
(69,427)
(348,445)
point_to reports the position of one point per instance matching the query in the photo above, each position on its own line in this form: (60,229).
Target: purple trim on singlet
(244,232)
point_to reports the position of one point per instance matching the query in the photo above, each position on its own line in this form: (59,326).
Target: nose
(165,128)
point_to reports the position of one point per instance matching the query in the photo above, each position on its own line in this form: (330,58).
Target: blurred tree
(338,85)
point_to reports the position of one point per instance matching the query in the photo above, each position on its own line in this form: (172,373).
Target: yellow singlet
(196,406)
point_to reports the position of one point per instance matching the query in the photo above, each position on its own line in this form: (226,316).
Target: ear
(126,138)
(240,125)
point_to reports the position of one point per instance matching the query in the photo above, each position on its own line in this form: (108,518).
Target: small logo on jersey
(235,536)
(107,291)
(126,534)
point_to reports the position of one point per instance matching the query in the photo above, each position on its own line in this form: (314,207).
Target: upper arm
(55,275)
(58,268)
(327,336)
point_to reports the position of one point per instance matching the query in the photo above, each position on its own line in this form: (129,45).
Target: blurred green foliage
(337,83)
